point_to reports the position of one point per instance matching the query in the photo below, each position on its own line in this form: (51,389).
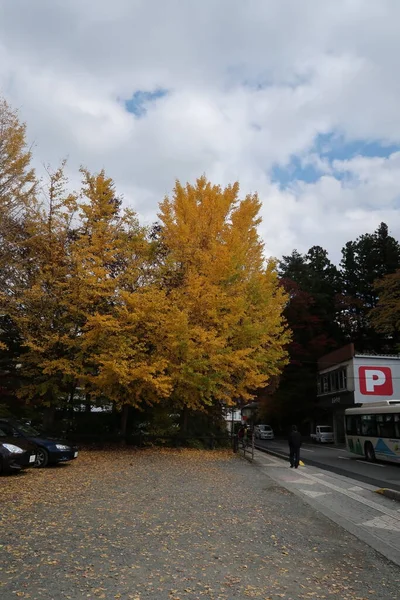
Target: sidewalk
(353,505)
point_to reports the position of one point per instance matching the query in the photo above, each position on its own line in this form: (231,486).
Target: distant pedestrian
(294,447)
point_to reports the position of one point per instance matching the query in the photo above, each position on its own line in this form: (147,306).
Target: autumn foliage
(187,312)
(386,314)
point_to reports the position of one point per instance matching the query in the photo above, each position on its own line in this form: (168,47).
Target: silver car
(263,432)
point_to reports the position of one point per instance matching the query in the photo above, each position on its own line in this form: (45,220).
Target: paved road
(341,462)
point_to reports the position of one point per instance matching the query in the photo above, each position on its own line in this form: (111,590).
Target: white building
(232,416)
(346,378)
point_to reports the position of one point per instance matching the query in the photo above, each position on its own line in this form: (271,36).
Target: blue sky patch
(138,104)
(328,147)
(335,147)
(295,171)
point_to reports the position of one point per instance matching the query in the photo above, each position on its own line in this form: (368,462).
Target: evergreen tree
(385,317)
(313,284)
(368,259)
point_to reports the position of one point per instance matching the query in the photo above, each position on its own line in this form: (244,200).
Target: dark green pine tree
(313,283)
(364,261)
(317,276)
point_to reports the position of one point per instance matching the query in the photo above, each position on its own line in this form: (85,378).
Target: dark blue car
(49,451)
(15,455)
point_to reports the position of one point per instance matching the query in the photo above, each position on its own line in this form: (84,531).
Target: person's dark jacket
(295,439)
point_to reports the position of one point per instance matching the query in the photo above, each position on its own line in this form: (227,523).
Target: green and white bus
(373,430)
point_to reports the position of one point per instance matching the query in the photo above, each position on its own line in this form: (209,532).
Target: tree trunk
(88,404)
(48,418)
(70,418)
(124,421)
(184,421)
(115,420)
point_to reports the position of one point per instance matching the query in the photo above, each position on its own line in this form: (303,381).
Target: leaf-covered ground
(174,525)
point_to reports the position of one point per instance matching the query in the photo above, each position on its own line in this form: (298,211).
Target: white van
(263,432)
(323,434)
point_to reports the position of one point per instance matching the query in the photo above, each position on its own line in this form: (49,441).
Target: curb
(392,494)
(272,452)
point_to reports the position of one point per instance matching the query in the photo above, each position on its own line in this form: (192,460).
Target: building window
(342,379)
(334,379)
(332,382)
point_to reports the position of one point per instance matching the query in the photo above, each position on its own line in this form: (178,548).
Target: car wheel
(42,458)
(369,452)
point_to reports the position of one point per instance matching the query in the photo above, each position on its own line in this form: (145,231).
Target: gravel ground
(170,525)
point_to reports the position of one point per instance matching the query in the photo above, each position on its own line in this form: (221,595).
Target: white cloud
(251,84)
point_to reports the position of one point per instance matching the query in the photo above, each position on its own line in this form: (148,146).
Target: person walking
(294,447)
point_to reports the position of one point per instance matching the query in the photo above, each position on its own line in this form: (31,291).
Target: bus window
(368,425)
(353,425)
(397,426)
(385,425)
(350,425)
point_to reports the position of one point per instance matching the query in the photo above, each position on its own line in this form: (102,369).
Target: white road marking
(302,481)
(344,457)
(370,503)
(306,450)
(365,462)
(383,522)
(355,488)
(313,494)
(326,447)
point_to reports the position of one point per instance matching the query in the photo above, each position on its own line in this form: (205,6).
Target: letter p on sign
(375,381)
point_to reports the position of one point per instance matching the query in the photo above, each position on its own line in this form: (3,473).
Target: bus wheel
(369,452)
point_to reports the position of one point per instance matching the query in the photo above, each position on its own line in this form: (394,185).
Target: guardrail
(244,446)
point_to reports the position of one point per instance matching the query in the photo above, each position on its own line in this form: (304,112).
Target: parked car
(263,432)
(323,434)
(49,450)
(15,455)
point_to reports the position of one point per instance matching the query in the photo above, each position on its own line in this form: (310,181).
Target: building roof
(346,353)
(370,355)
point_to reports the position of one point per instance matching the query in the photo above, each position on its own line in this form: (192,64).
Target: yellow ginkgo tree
(35,301)
(233,335)
(123,317)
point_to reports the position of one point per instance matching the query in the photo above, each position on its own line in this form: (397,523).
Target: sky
(297,100)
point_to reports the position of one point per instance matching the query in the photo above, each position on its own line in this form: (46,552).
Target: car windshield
(265,427)
(27,429)
(2,433)
(326,429)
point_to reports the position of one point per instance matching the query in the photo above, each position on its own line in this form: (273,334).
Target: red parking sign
(375,381)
